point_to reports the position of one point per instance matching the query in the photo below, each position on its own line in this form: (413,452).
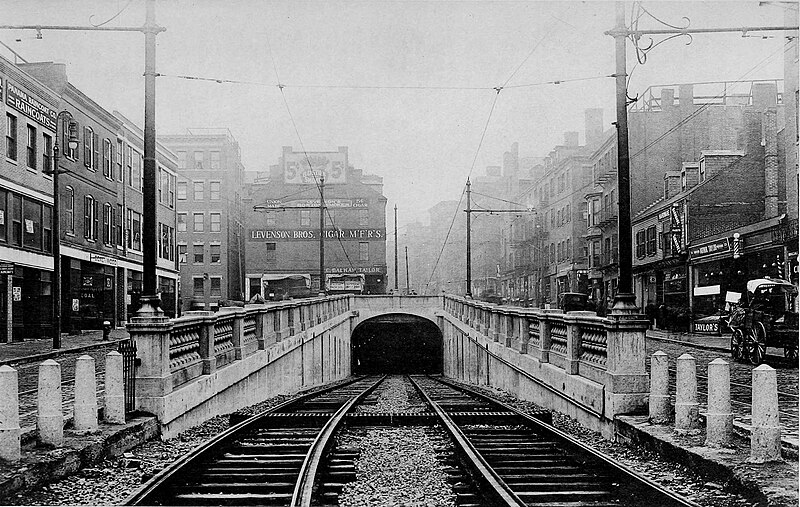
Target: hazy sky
(422,141)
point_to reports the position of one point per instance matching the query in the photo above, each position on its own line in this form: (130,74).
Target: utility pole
(395,248)
(469,239)
(408,284)
(322,234)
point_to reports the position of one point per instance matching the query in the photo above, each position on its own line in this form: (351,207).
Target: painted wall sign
(308,168)
(357,202)
(26,104)
(372,270)
(313,234)
(713,247)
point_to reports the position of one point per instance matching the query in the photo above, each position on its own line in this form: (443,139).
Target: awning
(274,277)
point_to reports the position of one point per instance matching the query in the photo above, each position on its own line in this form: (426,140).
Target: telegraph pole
(408,285)
(469,239)
(395,248)
(322,234)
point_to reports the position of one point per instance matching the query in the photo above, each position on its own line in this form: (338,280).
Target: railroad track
(499,456)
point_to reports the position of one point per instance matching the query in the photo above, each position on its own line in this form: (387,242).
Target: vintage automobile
(766,317)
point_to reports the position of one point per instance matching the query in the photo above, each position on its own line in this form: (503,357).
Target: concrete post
(765,435)
(114,412)
(627,381)
(573,356)
(524,334)
(9,414)
(205,323)
(545,340)
(687,417)
(153,378)
(660,409)
(50,421)
(719,417)
(260,327)
(496,325)
(85,413)
(237,336)
(279,314)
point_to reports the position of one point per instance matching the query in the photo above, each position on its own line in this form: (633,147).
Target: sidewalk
(701,341)
(31,351)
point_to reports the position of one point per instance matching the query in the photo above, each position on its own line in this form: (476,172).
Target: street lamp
(72,130)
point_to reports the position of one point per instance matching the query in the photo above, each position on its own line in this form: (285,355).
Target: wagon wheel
(790,353)
(737,345)
(757,343)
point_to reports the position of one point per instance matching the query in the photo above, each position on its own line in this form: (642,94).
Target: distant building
(210,221)
(283,222)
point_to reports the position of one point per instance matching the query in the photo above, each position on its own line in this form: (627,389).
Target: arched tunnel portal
(397,343)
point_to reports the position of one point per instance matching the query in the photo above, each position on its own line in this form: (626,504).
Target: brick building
(210,221)
(282,216)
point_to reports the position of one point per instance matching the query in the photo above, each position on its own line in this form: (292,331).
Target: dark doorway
(397,344)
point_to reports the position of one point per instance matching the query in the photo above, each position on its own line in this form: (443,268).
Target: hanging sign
(16,293)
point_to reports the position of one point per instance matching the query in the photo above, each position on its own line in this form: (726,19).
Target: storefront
(88,289)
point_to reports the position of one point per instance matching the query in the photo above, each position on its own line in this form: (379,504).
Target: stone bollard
(50,421)
(660,407)
(85,414)
(115,389)
(687,410)
(719,417)
(765,436)
(9,414)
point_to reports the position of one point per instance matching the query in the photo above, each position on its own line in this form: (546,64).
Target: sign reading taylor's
(30,107)
(313,234)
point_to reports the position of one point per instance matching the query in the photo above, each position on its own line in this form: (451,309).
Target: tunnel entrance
(397,344)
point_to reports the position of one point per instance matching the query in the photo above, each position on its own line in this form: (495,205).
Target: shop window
(3,215)
(214,190)
(181,190)
(215,163)
(215,222)
(198,286)
(30,149)
(199,222)
(255,286)
(182,254)
(118,160)
(271,249)
(11,136)
(363,251)
(108,224)
(32,233)
(198,190)
(16,220)
(305,218)
(216,286)
(182,222)
(69,210)
(47,154)
(215,251)
(199,254)
(651,240)
(641,244)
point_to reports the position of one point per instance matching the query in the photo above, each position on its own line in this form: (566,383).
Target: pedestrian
(650,313)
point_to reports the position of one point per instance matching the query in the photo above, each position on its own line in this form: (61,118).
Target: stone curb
(33,358)
(727,469)
(39,466)
(691,344)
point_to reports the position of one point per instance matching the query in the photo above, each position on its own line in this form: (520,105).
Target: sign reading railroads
(313,234)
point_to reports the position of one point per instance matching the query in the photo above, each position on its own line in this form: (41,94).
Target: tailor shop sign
(313,234)
(30,107)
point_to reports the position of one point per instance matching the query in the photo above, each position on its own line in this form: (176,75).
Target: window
(567,214)
(108,159)
(569,248)
(215,160)
(181,190)
(16,220)
(641,246)
(118,161)
(363,251)
(213,190)
(270,249)
(32,232)
(199,190)
(90,148)
(271,220)
(30,149)
(181,222)
(181,159)
(134,229)
(198,286)
(215,251)
(198,160)
(119,217)
(172,180)
(89,218)
(363,217)
(199,222)
(216,223)
(165,241)
(69,210)
(47,154)
(182,254)
(129,163)
(305,218)
(702,170)
(11,136)
(3,216)
(197,250)
(47,228)
(651,240)
(683,179)
(108,224)
(216,286)
(163,186)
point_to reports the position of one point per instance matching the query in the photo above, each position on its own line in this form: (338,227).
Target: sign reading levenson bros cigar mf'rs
(308,168)
(313,234)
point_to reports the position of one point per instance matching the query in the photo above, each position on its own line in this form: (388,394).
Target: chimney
(511,161)
(594,125)
(770,163)
(764,95)
(52,74)
(690,173)
(672,184)
(712,162)
(686,95)
(571,139)
(667,98)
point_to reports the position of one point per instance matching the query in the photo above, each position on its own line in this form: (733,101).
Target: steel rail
(667,496)
(163,478)
(304,489)
(490,477)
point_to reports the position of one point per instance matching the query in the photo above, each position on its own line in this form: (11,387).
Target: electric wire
(112,18)
(499,199)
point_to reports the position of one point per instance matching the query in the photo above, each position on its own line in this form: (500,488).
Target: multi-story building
(100,200)
(283,227)
(210,222)
(789,142)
